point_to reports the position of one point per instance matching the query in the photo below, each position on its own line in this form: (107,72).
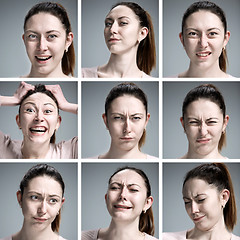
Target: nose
(39,116)
(194,207)
(114,28)
(203,41)
(42,209)
(42,44)
(123,193)
(127,126)
(203,129)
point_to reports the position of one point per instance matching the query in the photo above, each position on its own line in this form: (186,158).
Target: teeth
(202,54)
(38,129)
(43,58)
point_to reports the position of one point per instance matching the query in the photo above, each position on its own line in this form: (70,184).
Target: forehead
(39,98)
(122,11)
(45,185)
(195,186)
(44,22)
(127,103)
(203,19)
(128,177)
(204,107)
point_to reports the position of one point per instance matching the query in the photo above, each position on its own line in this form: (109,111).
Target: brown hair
(210,92)
(217,174)
(131,89)
(215,9)
(57,10)
(146,53)
(44,170)
(146,220)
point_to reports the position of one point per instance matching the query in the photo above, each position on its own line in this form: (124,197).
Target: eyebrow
(51,195)
(110,18)
(129,185)
(50,31)
(124,114)
(210,29)
(212,118)
(198,195)
(32,103)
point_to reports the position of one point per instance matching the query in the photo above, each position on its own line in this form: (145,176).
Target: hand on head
(22,89)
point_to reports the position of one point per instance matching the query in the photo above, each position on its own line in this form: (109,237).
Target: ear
(148,203)
(181,38)
(227,36)
(106,198)
(225,194)
(19,197)
(58,122)
(225,122)
(142,34)
(18,121)
(63,200)
(148,116)
(104,117)
(182,122)
(69,40)
(23,38)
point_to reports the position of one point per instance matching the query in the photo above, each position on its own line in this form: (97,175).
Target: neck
(35,150)
(116,153)
(122,231)
(204,72)
(122,65)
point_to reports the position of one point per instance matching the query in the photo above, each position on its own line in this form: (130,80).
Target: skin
(126,121)
(204,204)
(45,37)
(203,124)
(203,39)
(127,188)
(38,111)
(41,201)
(123,34)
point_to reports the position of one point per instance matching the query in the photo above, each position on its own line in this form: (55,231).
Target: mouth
(203,140)
(38,130)
(111,40)
(126,138)
(197,219)
(203,54)
(122,207)
(40,219)
(43,58)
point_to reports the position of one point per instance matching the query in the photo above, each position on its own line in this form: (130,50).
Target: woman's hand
(14,100)
(63,104)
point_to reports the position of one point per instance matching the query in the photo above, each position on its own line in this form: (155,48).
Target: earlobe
(69,40)
(104,117)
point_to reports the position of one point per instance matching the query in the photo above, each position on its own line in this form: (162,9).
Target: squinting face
(203,204)
(204,38)
(126,121)
(127,198)
(203,123)
(38,118)
(41,202)
(122,30)
(45,40)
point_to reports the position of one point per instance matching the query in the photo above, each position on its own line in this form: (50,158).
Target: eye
(30,110)
(48,111)
(108,24)
(201,200)
(213,34)
(32,36)
(211,122)
(123,23)
(52,36)
(133,190)
(136,118)
(192,34)
(194,123)
(34,197)
(53,201)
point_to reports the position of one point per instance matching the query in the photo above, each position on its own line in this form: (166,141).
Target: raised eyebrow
(30,103)
(49,104)
(210,29)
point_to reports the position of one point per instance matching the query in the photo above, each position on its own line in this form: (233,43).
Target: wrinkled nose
(123,193)
(194,208)
(203,129)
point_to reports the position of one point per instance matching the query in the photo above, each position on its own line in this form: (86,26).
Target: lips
(39,129)
(203,140)
(43,58)
(197,219)
(113,40)
(40,219)
(119,206)
(203,54)
(126,138)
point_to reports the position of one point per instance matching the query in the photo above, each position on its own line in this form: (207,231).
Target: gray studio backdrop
(15,62)
(95,178)
(175,143)
(94,49)
(69,125)
(95,137)
(11,175)
(175,59)
(175,217)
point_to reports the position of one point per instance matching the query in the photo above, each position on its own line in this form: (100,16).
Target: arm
(14,100)
(64,105)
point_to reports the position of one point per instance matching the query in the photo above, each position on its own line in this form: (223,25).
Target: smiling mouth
(203,54)
(42,59)
(38,130)
(198,219)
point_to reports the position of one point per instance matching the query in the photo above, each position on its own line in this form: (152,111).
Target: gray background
(11,175)
(175,143)
(95,178)
(94,49)
(175,59)
(14,59)
(175,217)
(69,125)
(95,137)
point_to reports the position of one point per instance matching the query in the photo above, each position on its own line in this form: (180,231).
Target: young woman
(48,39)
(129,37)
(126,117)
(204,37)
(204,121)
(129,202)
(209,200)
(41,197)
(38,119)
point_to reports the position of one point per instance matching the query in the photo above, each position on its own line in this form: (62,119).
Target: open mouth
(42,59)
(38,129)
(205,54)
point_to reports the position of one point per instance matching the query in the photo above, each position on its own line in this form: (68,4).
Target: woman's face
(204,204)
(41,202)
(204,38)
(38,118)
(204,124)
(126,197)
(126,120)
(122,30)
(45,40)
